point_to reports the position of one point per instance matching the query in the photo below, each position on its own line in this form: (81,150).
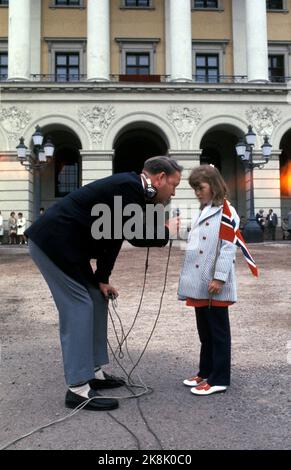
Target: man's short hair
(157,165)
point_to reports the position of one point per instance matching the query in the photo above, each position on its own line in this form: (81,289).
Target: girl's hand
(215,286)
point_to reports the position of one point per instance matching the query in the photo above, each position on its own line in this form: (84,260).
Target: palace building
(113,82)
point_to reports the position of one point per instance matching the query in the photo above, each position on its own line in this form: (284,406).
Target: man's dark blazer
(63,233)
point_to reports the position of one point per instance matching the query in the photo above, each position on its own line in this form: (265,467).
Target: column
(96,165)
(19,40)
(184,198)
(239,38)
(35,37)
(267,193)
(98,40)
(180,40)
(257,41)
(16,185)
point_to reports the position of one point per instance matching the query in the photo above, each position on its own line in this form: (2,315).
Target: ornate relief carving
(184,120)
(263,120)
(96,120)
(13,121)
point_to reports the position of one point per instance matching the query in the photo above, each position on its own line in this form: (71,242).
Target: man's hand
(173,225)
(107,289)
(215,286)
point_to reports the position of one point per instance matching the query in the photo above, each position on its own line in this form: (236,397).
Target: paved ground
(253,414)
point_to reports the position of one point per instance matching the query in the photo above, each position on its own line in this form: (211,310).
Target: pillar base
(18,79)
(98,79)
(181,80)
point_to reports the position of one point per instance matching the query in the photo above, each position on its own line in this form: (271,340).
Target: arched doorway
(135,144)
(218,149)
(285,173)
(63,174)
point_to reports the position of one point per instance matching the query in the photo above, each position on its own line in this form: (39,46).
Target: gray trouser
(83,320)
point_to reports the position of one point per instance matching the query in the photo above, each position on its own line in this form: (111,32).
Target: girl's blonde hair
(209,174)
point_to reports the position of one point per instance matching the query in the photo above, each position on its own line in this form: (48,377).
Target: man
(272,221)
(61,244)
(260,219)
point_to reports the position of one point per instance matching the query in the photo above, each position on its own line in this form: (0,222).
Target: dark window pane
(212,62)
(137,3)
(207,68)
(67,67)
(275,4)
(67,2)
(131,71)
(137,64)
(61,59)
(66,171)
(205,3)
(130,59)
(74,59)
(144,60)
(276,68)
(200,61)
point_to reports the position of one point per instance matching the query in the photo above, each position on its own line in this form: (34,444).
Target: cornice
(173,88)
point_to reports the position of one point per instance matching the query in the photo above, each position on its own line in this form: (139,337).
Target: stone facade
(97,111)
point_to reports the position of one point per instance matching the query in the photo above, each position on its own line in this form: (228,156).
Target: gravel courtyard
(253,414)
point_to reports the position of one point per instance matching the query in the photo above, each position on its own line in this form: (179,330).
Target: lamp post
(244,149)
(38,158)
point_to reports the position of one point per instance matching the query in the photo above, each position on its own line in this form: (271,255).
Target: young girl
(207,282)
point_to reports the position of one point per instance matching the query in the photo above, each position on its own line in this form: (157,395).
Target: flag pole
(218,246)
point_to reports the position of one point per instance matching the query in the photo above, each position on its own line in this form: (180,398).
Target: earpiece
(149,190)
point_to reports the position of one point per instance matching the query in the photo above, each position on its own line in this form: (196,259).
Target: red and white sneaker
(194,381)
(206,389)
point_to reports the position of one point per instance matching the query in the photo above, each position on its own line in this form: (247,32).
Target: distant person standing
(12,228)
(284,227)
(272,222)
(1,228)
(21,225)
(261,219)
(289,224)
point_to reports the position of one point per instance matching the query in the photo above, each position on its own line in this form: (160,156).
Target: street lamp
(38,158)
(244,149)
(41,154)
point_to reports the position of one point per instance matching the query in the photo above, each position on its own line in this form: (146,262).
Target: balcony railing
(147,79)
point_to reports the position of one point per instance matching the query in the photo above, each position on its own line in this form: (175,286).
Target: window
(206,4)
(276,68)
(3,65)
(137,64)
(207,68)
(4,2)
(275,5)
(137,56)
(66,171)
(72,3)
(137,3)
(67,67)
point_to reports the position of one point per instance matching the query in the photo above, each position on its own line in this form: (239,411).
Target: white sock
(99,374)
(81,390)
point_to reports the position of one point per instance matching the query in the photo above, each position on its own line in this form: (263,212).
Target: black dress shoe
(109,382)
(97,404)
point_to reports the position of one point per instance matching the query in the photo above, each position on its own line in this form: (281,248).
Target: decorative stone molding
(96,120)
(263,120)
(184,120)
(13,121)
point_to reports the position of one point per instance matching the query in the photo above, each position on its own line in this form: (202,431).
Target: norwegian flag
(229,232)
